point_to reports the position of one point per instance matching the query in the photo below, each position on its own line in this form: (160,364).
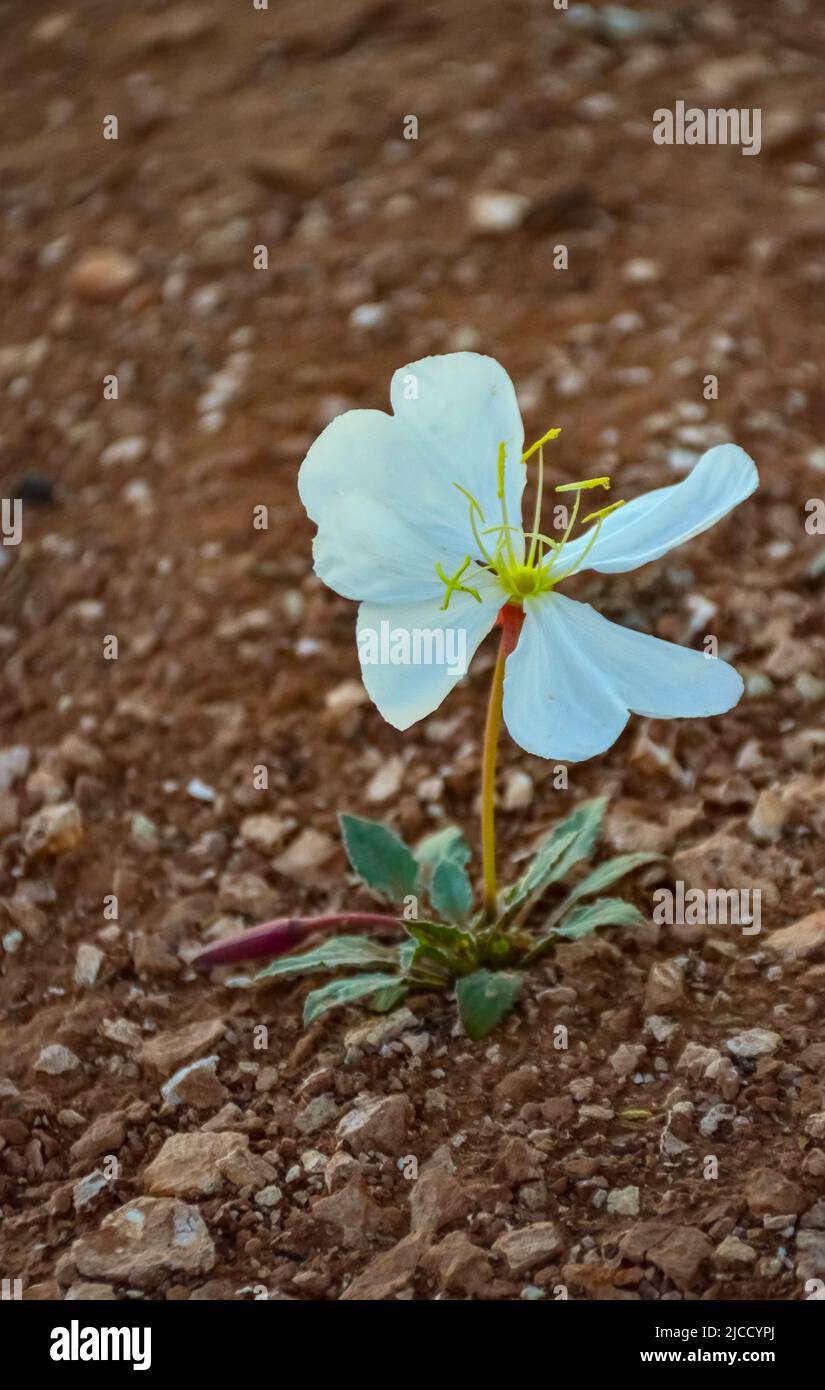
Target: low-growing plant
(403,505)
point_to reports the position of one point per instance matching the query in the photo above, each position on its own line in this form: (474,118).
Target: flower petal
(366,549)
(460,407)
(574,677)
(652,524)
(555,704)
(451,412)
(407,692)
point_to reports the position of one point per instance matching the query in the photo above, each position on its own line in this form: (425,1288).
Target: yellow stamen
(605,511)
(551,434)
(474,507)
(584,486)
(502,455)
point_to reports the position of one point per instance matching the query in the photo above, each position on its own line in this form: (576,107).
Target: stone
(802,940)
(317,1115)
(247,1170)
(264,833)
(530,1247)
(518,790)
(87,965)
(103,273)
(248,894)
(516,1163)
(810,1250)
(494,213)
(385,783)
(716,1116)
(665,988)
(196,1084)
(627,1058)
(769,816)
(681,1255)
(734,1253)
(269,1197)
(53,830)
(84,1292)
(754,1042)
(143,1242)
(517,1087)
(86,1192)
(376,1032)
(14,764)
(815,1125)
(814,1218)
(352,1212)
(389,1274)
(188,1164)
(770,1193)
(56,1060)
(437,1199)
(166,1051)
(105,1135)
(623,1201)
(378,1123)
(458,1266)
(308,853)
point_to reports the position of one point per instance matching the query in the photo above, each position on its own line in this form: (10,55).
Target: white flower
(419,517)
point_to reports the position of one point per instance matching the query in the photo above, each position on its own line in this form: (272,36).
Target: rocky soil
(650,1121)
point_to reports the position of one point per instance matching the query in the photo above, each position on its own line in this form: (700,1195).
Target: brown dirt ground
(283,128)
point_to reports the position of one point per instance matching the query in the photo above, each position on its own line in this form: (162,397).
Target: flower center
(540,570)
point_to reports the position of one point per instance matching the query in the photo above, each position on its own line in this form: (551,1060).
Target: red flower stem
(275,938)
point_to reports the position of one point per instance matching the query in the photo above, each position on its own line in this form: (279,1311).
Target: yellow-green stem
(488,786)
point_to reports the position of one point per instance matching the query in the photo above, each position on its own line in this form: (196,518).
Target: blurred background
(298,200)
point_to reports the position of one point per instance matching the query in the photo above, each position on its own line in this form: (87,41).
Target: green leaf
(451,892)
(379,857)
(606,874)
(439,936)
(571,840)
(448,843)
(604,912)
(386,999)
(334,954)
(340,992)
(484,998)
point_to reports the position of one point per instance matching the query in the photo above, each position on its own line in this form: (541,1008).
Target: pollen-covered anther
(584,486)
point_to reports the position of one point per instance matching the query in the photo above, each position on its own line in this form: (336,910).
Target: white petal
(450,413)
(651,525)
(366,549)
(379,456)
(405,693)
(574,677)
(555,704)
(460,407)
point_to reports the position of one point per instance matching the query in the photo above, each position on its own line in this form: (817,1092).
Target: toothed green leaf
(606,874)
(571,840)
(604,912)
(340,992)
(379,857)
(448,843)
(335,954)
(484,998)
(451,892)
